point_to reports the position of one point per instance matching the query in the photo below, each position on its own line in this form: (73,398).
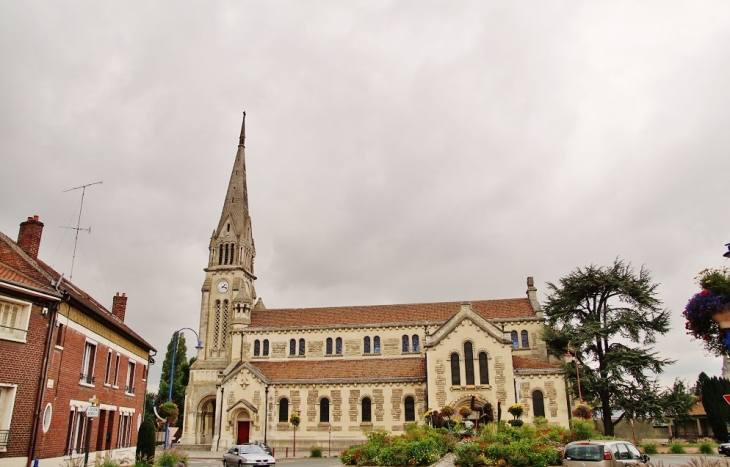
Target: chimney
(119,306)
(29,236)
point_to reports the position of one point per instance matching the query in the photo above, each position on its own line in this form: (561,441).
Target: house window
(416,344)
(468,363)
(366,410)
(338,346)
(410,411)
(80,432)
(515,344)
(292,347)
(329,346)
(366,344)
(376,344)
(87,365)
(302,348)
(59,335)
(130,377)
(324,410)
(404,340)
(7,404)
(525,340)
(116,372)
(284,411)
(108,373)
(266,347)
(256,348)
(455,370)
(538,404)
(483,368)
(47,416)
(14,318)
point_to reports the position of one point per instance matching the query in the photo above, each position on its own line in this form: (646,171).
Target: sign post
(92,412)
(727,398)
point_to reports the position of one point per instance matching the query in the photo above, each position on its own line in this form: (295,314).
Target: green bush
(315,451)
(707,448)
(676,448)
(650,448)
(468,455)
(583,429)
(171,458)
(419,445)
(146,439)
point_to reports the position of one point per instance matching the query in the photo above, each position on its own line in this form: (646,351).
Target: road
(668,460)
(291,462)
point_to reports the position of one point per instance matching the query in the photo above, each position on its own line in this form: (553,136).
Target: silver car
(594,453)
(247,454)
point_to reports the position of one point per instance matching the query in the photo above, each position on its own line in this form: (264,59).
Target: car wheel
(240,464)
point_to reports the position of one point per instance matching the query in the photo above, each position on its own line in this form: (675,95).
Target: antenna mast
(78,222)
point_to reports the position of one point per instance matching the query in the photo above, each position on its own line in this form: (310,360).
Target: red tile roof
(370,369)
(415,313)
(523,363)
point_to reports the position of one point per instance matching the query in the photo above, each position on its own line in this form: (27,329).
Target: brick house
(59,350)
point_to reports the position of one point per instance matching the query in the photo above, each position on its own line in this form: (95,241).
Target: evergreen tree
(718,411)
(178,388)
(146,440)
(608,317)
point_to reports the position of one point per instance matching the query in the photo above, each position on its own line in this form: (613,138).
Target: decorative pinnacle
(242,138)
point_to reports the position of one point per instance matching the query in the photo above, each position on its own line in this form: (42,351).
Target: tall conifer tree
(178,385)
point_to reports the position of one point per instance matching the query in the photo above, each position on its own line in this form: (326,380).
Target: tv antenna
(78,222)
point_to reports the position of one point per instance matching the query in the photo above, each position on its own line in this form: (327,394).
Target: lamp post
(172,372)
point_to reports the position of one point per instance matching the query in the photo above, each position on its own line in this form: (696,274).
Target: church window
(538,404)
(410,411)
(455,370)
(217,327)
(483,368)
(525,340)
(228,227)
(225,250)
(256,348)
(220,254)
(292,347)
(468,363)
(405,340)
(515,344)
(224,325)
(366,344)
(266,347)
(302,348)
(233,249)
(416,345)
(376,344)
(366,410)
(338,346)
(284,411)
(329,346)
(324,410)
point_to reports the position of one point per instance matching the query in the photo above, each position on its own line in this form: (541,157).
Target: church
(351,369)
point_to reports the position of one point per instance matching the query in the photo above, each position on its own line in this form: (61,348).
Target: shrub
(707,448)
(650,448)
(419,445)
(146,439)
(108,461)
(468,455)
(516,422)
(171,458)
(315,451)
(676,448)
(583,429)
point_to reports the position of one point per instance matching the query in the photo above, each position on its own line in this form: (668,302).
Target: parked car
(724,449)
(263,446)
(249,454)
(602,454)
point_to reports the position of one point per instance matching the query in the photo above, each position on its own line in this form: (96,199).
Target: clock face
(222,286)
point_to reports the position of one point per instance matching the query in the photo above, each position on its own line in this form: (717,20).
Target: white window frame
(7,404)
(108,373)
(131,369)
(116,371)
(87,368)
(19,333)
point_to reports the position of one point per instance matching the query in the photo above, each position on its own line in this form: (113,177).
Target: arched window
(525,340)
(515,344)
(292,347)
(468,363)
(329,346)
(225,258)
(220,254)
(483,368)
(366,344)
(405,343)
(256,348)
(455,370)
(538,404)
(302,348)
(233,249)
(284,411)
(266,347)
(416,344)
(366,410)
(410,411)
(338,346)
(376,344)
(324,410)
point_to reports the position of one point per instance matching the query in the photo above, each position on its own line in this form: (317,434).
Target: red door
(243,432)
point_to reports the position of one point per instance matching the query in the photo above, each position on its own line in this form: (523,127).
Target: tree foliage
(179,379)
(718,411)
(146,439)
(609,317)
(677,401)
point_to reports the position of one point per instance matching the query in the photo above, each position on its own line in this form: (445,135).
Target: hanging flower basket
(708,311)
(447,411)
(583,411)
(295,419)
(516,410)
(464,411)
(169,411)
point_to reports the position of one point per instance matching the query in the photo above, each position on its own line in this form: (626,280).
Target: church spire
(242,138)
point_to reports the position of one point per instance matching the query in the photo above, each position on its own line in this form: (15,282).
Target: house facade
(348,370)
(61,352)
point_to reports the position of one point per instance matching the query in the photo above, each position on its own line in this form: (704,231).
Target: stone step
(193,447)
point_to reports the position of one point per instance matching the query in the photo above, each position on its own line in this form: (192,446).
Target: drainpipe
(266,412)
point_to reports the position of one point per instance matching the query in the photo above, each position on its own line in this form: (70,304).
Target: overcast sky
(397,152)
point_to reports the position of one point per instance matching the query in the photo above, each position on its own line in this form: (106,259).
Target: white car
(247,454)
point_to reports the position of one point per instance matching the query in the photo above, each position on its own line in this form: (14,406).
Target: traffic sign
(92,411)
(727,398)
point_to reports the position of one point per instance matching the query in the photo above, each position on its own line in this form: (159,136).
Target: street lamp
(727,253)
(172,371)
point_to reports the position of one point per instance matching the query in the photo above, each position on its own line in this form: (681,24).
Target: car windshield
(584,452)
(251,449)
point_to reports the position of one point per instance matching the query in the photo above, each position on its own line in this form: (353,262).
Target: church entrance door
(244,429)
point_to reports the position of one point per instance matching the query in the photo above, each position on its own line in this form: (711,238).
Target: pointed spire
(242,138)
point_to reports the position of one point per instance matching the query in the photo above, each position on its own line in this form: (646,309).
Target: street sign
(92,411)
(727,398)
